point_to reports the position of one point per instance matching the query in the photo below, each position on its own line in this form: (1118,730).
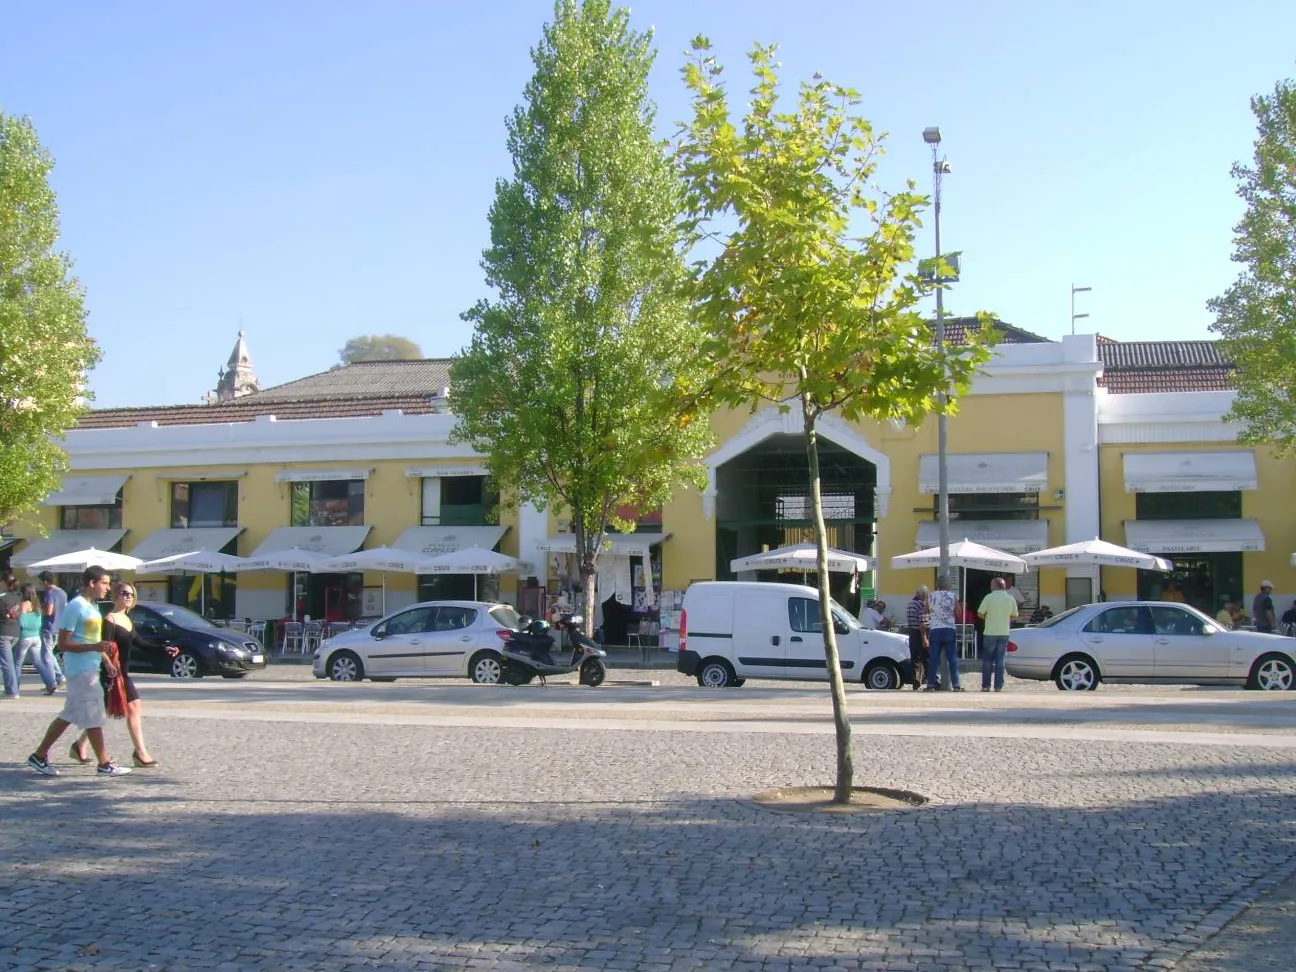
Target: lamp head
(931,135)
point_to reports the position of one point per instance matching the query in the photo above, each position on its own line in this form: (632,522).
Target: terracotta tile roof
(1139,367)
(248,408)
(1132,381)
(425,376)
(957,328)
(363,389)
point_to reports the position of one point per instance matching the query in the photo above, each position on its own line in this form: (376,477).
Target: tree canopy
(379,347)
(807,288)
(1256,316)
(45,352)
(569,386)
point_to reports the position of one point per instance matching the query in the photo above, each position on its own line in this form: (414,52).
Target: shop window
(211,595)
(459,501)
(1208,505)
(106,517)
(204,505)
(329,503)
(991,506)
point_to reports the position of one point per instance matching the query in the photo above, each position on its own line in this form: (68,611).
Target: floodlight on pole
(932,136)
(1074,316)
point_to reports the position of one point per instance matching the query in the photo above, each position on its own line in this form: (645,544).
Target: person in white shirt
(871,617)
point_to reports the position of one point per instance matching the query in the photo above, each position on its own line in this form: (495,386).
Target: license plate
(258,659)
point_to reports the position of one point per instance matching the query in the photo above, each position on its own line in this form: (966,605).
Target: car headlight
(225,648)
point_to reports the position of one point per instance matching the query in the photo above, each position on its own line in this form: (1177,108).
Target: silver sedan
(1148,641)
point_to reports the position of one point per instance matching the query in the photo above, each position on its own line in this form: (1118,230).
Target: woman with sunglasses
(118,627)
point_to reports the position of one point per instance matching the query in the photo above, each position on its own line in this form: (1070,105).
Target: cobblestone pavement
(340,841)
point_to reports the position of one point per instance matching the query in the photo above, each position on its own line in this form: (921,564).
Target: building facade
(1058,441)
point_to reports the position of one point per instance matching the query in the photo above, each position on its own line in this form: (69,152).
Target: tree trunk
(841,721)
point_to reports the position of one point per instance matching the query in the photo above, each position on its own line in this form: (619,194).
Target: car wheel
(593,672)
(881,675)
(716,673)
(186,665)
(345,666)
(1076,673)
(485,668)
(1272,673)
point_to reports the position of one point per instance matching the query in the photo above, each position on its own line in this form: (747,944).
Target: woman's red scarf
(115,690)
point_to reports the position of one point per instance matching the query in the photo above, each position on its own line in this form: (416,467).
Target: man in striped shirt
(916,622)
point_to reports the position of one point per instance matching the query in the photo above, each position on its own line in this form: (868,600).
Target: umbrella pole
(384,584)
(474,587)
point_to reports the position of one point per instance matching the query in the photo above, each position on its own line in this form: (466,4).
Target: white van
(731,631)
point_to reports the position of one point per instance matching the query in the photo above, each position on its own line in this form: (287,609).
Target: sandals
(77,755)
(146,763)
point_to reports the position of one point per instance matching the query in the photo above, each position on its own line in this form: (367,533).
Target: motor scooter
(527,653)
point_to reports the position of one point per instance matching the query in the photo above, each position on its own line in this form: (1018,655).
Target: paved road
(422,825)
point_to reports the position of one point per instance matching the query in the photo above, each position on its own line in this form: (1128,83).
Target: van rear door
(760,633)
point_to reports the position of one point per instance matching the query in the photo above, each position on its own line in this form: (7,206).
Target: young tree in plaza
(806,287)
(45,351)
(569,386)
(379,347)
(1256,316)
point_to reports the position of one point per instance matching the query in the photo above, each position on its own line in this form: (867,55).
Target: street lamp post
(940,167)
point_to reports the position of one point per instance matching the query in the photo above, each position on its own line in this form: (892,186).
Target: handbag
(115,687)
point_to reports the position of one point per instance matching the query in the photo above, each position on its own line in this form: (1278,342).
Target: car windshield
(181,617)
(841,615)
(506,617)
(1049,622)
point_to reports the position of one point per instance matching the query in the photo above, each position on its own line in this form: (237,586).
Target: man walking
(10,631)
(1262,609)
(916,622)
(998,609)
(53,601)
(940,635)
(80,637)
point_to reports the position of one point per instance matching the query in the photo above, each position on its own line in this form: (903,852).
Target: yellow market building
(1058,441)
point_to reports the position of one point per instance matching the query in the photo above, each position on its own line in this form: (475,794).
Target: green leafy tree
(811,301)
(379,347)
(45,352)
(1256,316)
(569,386)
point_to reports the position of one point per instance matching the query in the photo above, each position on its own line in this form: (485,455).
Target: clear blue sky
(315,171)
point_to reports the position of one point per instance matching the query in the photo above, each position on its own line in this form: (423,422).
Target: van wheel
(881,675)
(716,673)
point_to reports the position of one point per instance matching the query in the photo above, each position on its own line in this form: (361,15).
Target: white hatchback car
(451,639)
(1148,641)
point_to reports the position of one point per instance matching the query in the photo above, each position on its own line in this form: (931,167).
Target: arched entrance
(759,491)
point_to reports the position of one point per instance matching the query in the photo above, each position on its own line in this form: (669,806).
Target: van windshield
(841,615)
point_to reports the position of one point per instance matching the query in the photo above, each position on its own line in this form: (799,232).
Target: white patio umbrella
(381,559)
(474,560)
(81,559)
(965,554)
(194,562)
(294,560)
(1098,553)
(803,557)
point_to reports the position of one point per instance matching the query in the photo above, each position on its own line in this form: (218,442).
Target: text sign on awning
(1190,472)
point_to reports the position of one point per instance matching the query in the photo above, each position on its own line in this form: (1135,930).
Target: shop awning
(1189,472)
(1194,536)
(167,543)
(436,540)
(443,472)
(66,541)
(321,476)
(328,541)
(986,472)
(1010,536)
(86,491)
(618,544)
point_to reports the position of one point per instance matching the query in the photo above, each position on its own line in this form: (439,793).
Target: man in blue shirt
(84,650)
(53,601)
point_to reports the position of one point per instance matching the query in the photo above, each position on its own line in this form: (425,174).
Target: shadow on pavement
(329,854)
